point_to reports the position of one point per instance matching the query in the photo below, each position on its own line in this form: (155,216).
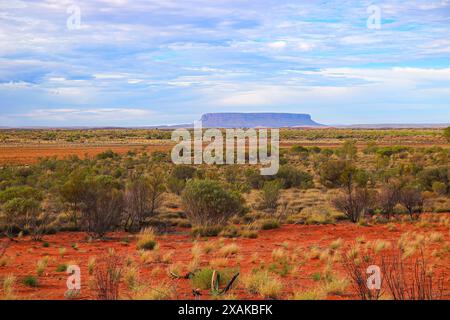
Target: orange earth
(23,255)
(32,154)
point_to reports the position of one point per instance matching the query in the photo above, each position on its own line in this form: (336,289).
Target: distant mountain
(394,126)
(254,120)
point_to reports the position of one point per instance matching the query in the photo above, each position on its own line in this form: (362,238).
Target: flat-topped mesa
(257,120)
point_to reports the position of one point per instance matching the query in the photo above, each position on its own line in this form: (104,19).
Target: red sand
(25,253)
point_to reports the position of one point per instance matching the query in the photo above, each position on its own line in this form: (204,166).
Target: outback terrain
(111,202)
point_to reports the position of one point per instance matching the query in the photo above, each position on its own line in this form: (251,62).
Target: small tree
(412,199)
(143,196)
(387,199)
(157,187)
(348,151)
(340,173)
(18,212)
(447,133)
(101,205)
(137,202)
(354,202)
(72,193)
(270,194)
(178,178)
(208,204)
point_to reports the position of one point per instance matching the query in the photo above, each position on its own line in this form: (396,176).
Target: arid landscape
(139,227)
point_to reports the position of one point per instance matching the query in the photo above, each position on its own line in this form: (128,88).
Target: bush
(109,154)
(254,178)
(321,214)
(102,204)
(176,185)
(269,224)
(61,268)
(183,172)
(331,173)
(21,210)
(208,204)
(447,133)
(212,231)
(388,198)
(411,198)
(292,177)
(143,196)
(354,203)
(270,194)
(429,176)
(30,281)
(439,188)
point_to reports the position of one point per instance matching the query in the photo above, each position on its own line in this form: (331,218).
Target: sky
(137,63)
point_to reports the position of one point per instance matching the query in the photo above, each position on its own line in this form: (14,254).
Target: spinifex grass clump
(264,283)
(146,240)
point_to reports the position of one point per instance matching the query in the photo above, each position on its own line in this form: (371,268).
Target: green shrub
(207,203)
(292,177)
(299,149)
(331,173)
(269,224)
(447,133)
(109,154)
(439,188)
(183,172)
(212,231)
(254,178)
(30,281)
(431,175)
(270,194)
(61,268)
(176,185)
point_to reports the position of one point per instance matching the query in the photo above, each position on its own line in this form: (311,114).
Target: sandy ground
(23,255)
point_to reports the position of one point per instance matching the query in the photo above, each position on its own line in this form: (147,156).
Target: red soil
(24,254)
(32,154)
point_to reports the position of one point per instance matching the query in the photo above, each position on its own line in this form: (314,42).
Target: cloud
(100,114)
(188,57)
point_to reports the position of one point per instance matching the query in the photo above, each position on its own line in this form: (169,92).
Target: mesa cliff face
(254,120)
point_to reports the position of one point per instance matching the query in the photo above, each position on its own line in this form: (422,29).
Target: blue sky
(134,63)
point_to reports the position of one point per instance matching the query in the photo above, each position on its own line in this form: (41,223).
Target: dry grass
(228,250)
(263,283)
(9,287)
(163,291)
(146,240)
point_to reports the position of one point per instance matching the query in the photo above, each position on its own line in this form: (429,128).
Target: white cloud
(97,114)
(278,45)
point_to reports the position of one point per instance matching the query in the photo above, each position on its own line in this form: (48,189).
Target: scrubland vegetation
(143,228)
